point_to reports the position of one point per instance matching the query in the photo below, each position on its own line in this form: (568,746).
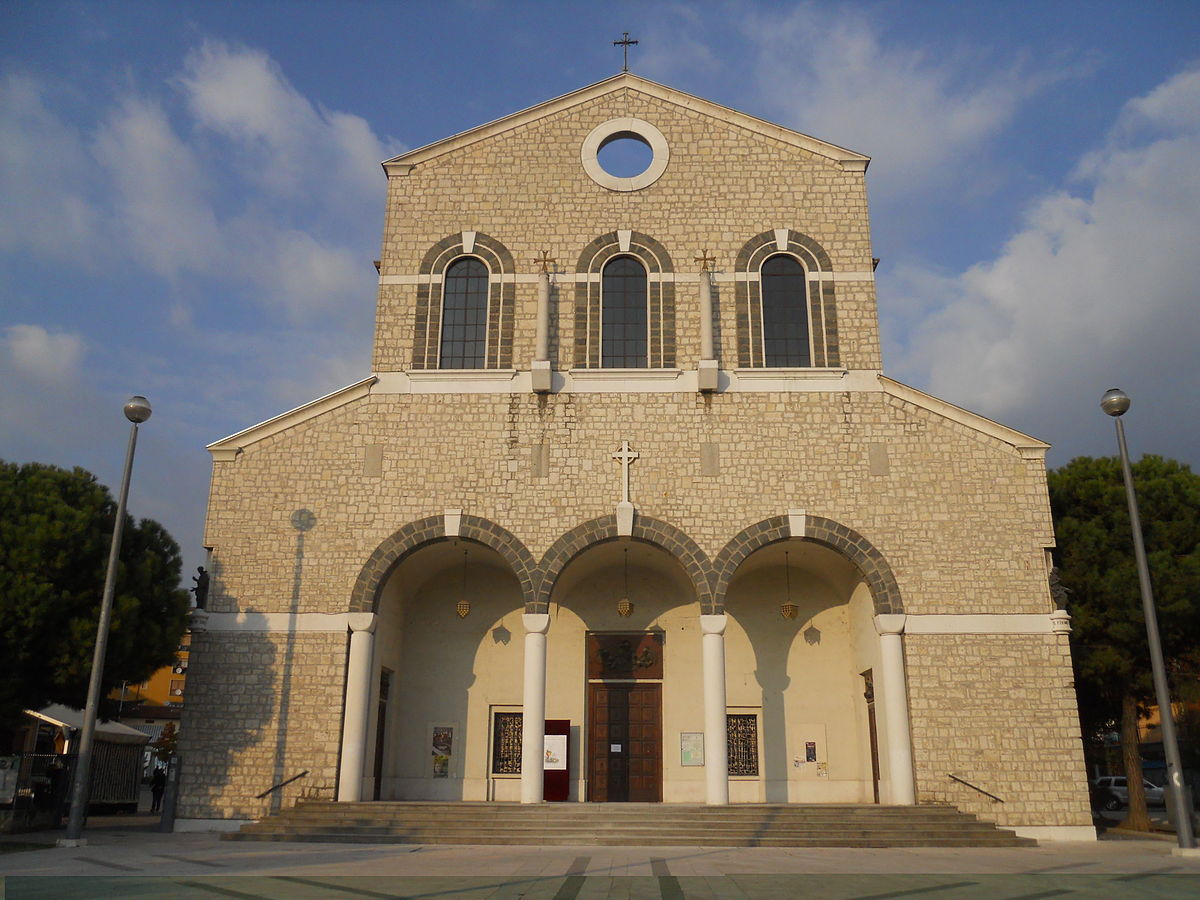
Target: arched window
(785,313)
(464,315)
(623,337)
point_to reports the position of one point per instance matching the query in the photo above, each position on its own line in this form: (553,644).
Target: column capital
(362,621)
(1060,621)
(892,623)
(713,624)
(536,623)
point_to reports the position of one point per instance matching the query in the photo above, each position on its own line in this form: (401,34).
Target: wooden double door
(625,742)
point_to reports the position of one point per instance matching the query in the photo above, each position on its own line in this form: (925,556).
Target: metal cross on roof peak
(625,43)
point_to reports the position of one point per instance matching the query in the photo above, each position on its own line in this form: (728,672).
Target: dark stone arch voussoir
(849,543)
(364,597)
(647,530)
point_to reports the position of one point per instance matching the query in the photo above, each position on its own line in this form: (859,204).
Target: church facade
(627,510)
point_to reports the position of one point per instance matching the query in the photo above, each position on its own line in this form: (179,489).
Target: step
(1001,840)
(637,824)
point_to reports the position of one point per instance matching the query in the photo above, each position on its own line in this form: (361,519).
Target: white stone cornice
(1015,623)
(1030,447)
(847,160)
(229,447)
(289,622)
(892,623)
(584,381)
(651,277)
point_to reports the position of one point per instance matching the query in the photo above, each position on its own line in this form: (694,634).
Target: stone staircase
(630,824)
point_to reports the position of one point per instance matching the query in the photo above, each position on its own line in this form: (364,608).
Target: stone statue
(201,588)
(1058,590)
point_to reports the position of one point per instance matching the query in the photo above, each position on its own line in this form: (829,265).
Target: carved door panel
(625,742)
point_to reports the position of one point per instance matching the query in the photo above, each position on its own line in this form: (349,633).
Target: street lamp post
(137,410)
(1116,402)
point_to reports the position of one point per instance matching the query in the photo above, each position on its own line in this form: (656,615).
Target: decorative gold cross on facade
(625,43)
(704,259)
(545,260)
(625,456)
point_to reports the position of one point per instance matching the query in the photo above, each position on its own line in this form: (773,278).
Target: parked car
(1120,788)
(1103,797)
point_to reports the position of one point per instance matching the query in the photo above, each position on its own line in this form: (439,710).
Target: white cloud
(1098,287)
(42,356)
(42,180)
(160,199)
(286,143)
(923,115)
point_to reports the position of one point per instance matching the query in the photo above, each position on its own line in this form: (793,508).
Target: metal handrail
(974,787)
(281,784)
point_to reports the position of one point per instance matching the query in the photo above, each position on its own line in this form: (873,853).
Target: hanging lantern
(625,605)
(788,609)
(463,607)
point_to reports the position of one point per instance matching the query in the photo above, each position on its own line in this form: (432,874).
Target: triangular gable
(847,158)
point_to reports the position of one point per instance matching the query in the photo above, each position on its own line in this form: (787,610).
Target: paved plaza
(130,858)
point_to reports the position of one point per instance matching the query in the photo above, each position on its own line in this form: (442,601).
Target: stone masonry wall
(241,687)
(960,517)
(998,711)
(527,189)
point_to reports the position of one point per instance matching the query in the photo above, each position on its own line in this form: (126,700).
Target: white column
(542,342)
(541,359)
(716,739)
(707,370)
(895,709)
(533,713)
(358,703)
(706,326)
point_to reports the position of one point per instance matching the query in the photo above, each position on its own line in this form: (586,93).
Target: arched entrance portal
(622,666)
(448,658)
(800,648)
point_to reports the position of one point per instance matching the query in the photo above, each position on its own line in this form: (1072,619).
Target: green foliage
(55,529)
(167,743)
(1096,562)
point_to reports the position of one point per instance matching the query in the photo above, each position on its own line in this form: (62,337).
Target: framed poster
(555,753)
(441,749)
(691,748)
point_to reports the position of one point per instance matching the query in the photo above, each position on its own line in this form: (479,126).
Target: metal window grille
(506,743)
(743,744)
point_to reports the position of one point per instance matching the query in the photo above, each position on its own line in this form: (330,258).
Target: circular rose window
(625,154)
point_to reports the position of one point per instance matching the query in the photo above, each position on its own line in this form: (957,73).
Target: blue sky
(190,197)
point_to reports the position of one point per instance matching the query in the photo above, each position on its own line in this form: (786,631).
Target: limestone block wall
(961,518)
(263,707)
(527,189)
(998,711)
